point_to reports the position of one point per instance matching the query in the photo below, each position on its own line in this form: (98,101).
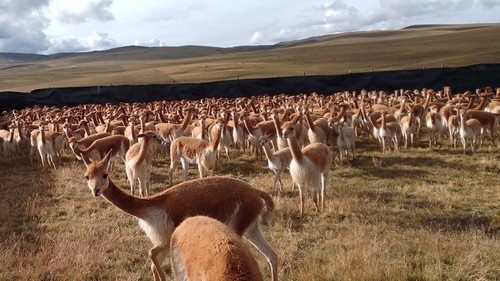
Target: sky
(57,26)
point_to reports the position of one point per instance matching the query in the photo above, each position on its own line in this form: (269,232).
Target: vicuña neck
(216,141)
(235,120)
(248,126)
(87,129)
(132,131)
(143,125)
(267,151)
(11,135)
(186,120)
(143,151)
(42,135)
(309,121)
(129,204)
(277,126)
(462,121)
(295,149)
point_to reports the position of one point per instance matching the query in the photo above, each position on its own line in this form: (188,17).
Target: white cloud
(424,8)
(21,7)
(490,4)
(98,11)
(310,20)
(95,41)
(341,17)
(66,45)
(22,26)
(256,38)
(150,43)
(100,41)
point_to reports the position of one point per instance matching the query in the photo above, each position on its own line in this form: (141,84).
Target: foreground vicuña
(229,200)
(203,248)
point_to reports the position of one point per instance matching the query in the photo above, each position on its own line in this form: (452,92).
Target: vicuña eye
(87,177)
(105,176)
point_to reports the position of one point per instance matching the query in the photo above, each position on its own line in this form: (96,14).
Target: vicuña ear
(86,160)
(106,158)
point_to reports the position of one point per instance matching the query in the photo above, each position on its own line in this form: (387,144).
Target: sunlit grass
(414,215)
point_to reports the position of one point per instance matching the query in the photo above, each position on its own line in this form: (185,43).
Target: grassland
(414,48)
(414,215)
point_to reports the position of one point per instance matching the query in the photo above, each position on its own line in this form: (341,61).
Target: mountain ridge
(240,48)
(414,47)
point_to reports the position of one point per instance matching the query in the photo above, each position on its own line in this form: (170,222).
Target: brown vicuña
(276,161)
(309,166)
(202,248)
(138,162)
(229,200)
(188,150)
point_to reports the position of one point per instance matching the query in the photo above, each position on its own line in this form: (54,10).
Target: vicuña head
(97,174)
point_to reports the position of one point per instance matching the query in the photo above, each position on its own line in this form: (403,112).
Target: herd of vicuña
(199,223)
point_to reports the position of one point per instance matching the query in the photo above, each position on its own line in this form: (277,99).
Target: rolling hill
(414,47)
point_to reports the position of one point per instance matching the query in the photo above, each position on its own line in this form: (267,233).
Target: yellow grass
(414,215)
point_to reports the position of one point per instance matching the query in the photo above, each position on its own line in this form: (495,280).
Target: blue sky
(54,26)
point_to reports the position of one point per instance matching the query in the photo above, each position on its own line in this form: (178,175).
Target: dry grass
(355,52)
(414,215)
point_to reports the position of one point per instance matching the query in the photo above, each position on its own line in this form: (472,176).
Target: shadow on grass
(23,193)
(244,168)
(387,168)
(415,161)
(159,177)
(385,196)
(295,221)
(396,173)
(405,166)
(414,212)
(458,222)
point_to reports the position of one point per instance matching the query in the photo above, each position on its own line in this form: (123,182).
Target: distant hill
(425,26)
(133,53)
(413,47)
(193,51)
(6,58)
